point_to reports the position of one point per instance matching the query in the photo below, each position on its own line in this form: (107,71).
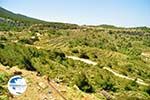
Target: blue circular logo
(17,85)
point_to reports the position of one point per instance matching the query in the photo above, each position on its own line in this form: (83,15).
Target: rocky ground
(39,88)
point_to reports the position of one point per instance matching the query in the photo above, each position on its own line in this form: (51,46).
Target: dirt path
(83,60)
(139,81)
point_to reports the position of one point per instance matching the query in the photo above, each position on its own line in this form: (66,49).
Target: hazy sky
(95,12)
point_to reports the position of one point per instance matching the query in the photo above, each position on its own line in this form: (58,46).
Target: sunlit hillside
(88,62)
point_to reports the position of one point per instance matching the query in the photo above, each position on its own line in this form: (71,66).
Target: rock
(44,97)
(49,91)
(17,73)
(106,94)
(63,90)
(38,74)
(42,85)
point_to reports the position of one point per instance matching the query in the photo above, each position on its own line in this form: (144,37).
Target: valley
(81,62)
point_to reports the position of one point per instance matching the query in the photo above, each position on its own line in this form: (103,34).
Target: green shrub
(14,54)
(147,90)
(84,84)
(108,86)
(84,55)
(4,77)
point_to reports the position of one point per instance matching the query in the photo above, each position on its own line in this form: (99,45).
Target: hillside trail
(87,61)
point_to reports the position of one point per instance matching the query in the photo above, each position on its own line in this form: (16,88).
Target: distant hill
(17,22)
(18,17)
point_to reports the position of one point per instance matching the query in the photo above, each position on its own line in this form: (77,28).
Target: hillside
(18,17)
(18,22)
(91,62)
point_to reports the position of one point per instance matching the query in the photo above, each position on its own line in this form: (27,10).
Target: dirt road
(139,81)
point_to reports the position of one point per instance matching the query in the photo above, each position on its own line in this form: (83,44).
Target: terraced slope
(117,59)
